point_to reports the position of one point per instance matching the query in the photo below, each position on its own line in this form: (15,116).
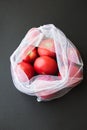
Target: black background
(19,111)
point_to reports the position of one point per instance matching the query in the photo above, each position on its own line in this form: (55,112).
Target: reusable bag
(44,86)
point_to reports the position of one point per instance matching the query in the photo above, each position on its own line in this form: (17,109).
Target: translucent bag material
(70,65)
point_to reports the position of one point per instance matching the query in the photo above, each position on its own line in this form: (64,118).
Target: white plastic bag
(70,65)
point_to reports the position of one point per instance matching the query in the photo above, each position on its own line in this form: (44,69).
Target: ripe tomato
(32,33)
(42,91)
(73,71)
(45,65)
(47,78)
(46,48)
(45,95)
(75,74)
(24,71)
(73,55)
(29,54)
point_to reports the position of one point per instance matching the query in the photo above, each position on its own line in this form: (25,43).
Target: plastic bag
(70,65)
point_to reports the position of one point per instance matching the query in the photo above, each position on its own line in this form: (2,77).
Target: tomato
(45,65)
(45,95)
(73,71)
(46,48)
(73,55)
(32,33)
(75,75)
(47,78)
(42,91)
(24,71)
(29,54)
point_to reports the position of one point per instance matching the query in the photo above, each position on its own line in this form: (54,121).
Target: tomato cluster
(41,60)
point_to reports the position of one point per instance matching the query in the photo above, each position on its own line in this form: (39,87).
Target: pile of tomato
(42,60)
(39,60)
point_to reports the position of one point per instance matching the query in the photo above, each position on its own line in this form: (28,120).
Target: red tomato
(45,95)
(29,54)
(73,71)
(46,48)
(42,91)
(23,68)
(73,55)
(32,33)
(47,78)
(45,65)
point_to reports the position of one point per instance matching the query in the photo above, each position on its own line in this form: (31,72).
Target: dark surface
(19,111)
